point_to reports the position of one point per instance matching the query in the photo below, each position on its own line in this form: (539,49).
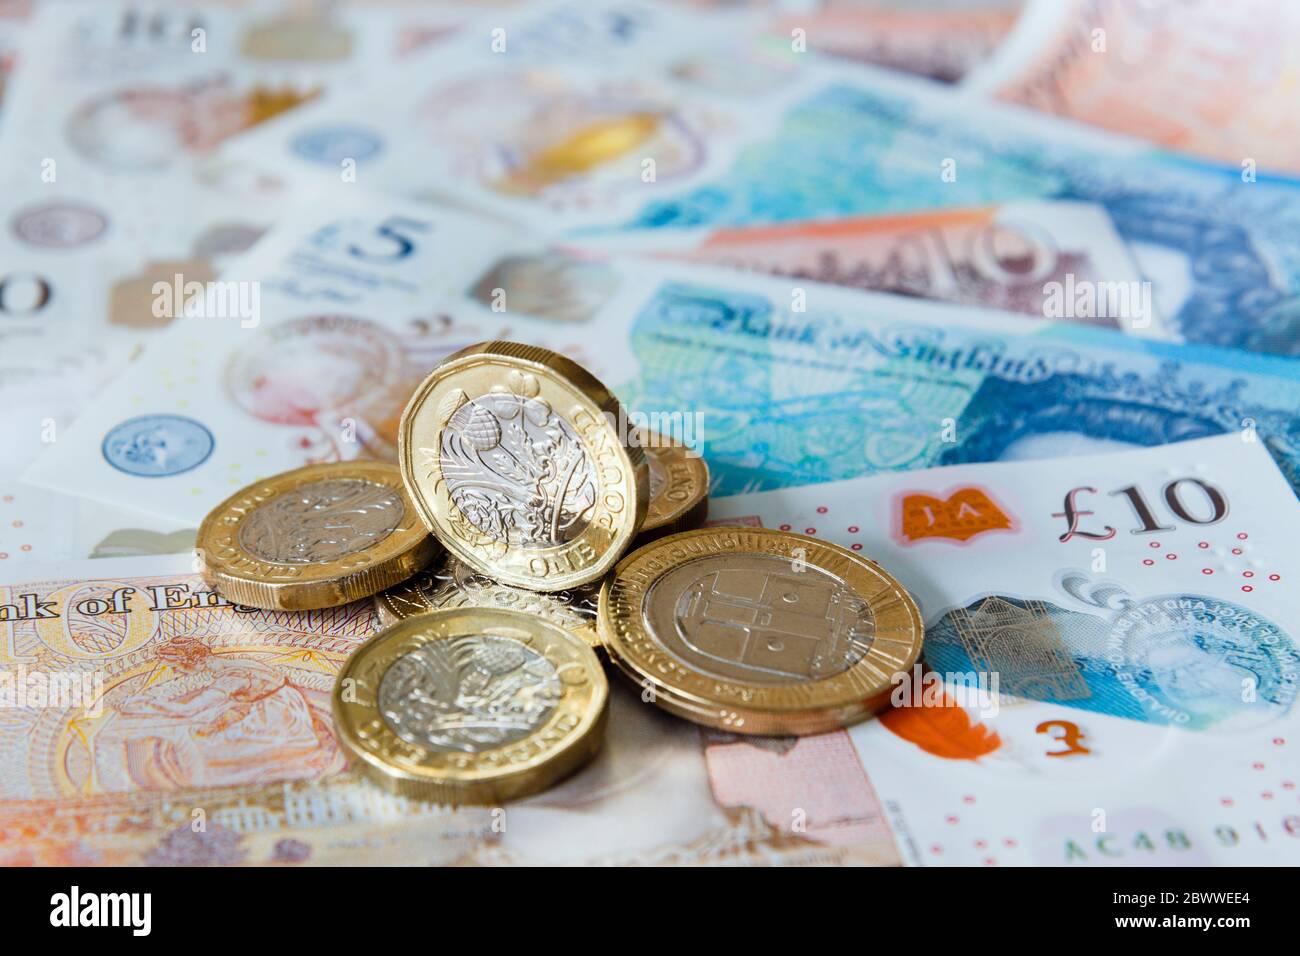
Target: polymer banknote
(1008,257)
(779,382)
(1110,664)
(558,115)
(106,118)
(13,21)
(726,131)
(149,721)
(347,310)
(1217,244)
(41,397)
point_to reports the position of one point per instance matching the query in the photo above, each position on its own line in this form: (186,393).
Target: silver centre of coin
(517,471)
(755,618)
(321,521)
(468,694)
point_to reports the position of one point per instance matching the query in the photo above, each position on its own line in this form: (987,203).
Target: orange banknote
(146,721)
(1217,80)
(941,44)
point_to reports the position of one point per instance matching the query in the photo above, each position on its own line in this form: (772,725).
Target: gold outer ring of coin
(573,395)
(246,578)
(567,736)
(441,586)
(682,503)
(798,707)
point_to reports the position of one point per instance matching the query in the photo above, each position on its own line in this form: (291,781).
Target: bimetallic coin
(470,705)
(512,455)
(759,632)
(679,487)
(314,537)
(451,583)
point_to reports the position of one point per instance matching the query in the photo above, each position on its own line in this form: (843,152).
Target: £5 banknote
(107,116)
(778,382)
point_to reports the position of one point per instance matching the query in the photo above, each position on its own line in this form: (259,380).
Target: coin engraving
(322,521)
(753,618)
(453,583)
(517,471)
(469,694)
(658,474)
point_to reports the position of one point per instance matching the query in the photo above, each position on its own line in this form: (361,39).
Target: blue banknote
(1181,664)
(791,397)
(1222,252)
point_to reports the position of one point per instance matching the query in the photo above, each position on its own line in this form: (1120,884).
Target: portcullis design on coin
(759,632)
(471,705)
(318,536)
(512,456)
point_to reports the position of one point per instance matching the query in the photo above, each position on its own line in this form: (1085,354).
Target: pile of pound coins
(526,540)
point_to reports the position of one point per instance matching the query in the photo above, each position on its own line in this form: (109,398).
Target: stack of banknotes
(1004,297)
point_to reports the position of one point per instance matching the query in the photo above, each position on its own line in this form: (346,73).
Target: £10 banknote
(1111,656)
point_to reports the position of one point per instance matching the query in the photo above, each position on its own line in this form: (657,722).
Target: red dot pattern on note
(1206,545)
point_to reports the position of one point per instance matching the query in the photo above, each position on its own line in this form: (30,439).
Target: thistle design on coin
(318,536)
(511,455)
(516,470)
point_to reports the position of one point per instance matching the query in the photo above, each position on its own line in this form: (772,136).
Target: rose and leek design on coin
(314,537)
(513,461)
